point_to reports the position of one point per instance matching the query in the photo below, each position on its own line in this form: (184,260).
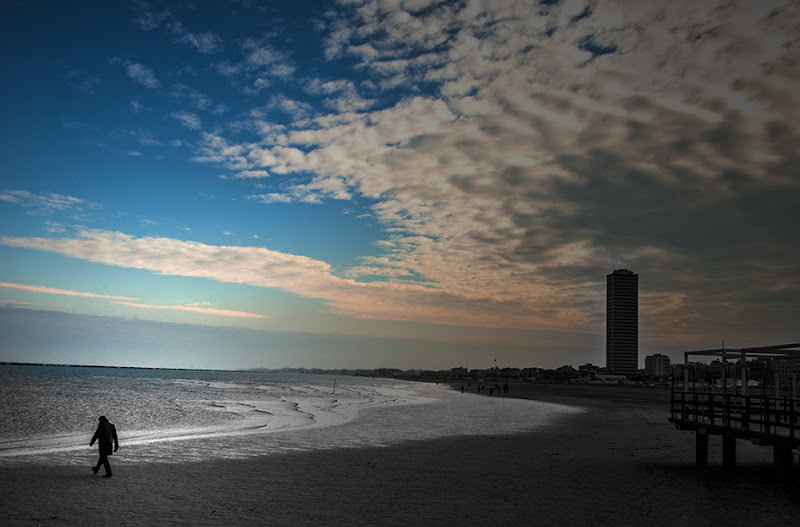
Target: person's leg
(107,466)
(97,466)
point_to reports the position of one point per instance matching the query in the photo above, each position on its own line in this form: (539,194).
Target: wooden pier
(754,397)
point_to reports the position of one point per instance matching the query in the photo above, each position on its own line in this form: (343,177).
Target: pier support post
(701,456)
(782,456)
(728,452)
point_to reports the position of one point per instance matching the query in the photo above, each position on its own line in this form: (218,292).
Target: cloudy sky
(412,184)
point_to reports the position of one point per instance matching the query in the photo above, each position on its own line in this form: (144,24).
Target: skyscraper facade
(622,322)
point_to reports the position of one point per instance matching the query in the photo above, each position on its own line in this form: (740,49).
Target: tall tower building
(622,322)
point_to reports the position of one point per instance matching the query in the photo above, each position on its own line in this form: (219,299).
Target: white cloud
(82,81)
(214,148)
(347,99)
(197,99)
(251,174)
(382,271)
(187,119)
(226,69)
(143,136)
(44,204)
(298,110)
(195,309)
(260,54)
(265,268)
(53,291)
(139,73)
(142,74)
(207,43)
(257,85)
(272,197)
(149,20)
(282,71)
(261,63)
(53,227)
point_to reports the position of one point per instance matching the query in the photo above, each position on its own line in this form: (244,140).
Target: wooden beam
(701,455)
(773,348)
(728,452)
(782,457)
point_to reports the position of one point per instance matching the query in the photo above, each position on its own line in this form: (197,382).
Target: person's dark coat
(106,437)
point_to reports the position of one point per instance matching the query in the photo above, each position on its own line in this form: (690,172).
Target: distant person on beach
(106,435)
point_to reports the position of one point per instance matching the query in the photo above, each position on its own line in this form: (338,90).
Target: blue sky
(401,184)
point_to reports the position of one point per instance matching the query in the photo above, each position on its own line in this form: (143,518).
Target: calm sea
(49,413)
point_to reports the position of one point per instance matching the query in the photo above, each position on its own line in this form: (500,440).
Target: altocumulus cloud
(187,119)
(556,139)
(534,146)
(137,72)
(44,204)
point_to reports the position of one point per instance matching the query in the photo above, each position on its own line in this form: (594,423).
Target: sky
(407,184)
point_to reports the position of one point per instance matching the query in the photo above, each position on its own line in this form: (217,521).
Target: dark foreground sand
(621,463)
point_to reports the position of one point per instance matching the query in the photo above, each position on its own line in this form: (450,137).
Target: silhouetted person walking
(106,435)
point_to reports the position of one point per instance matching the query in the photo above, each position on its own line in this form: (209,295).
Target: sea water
(50,413)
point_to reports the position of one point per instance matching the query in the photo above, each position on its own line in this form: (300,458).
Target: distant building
(607,378)
(564,373)
(622,322)
(530,373)
(657,365)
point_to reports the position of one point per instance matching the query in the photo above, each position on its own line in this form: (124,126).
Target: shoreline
(620,463)
(572,394)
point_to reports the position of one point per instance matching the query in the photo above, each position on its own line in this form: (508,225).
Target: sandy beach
(619,463)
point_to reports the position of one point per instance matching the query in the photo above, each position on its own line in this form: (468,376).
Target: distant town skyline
(382,184)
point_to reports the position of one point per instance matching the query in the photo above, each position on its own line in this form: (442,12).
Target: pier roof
(779,350)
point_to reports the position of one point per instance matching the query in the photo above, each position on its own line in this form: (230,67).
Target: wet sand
(620,463)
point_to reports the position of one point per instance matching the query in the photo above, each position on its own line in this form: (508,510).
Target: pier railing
(762,419)
(722,399)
